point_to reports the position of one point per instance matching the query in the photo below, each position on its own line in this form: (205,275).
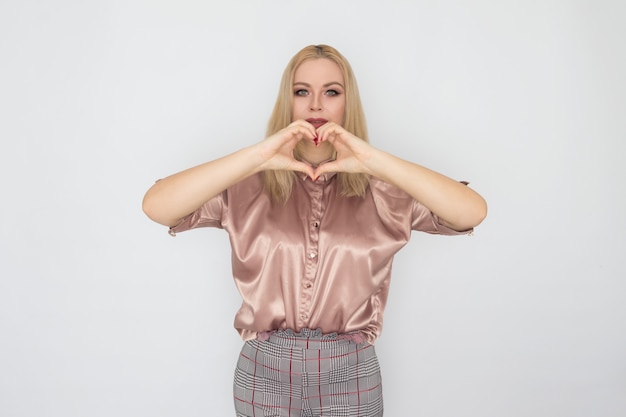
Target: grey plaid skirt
(307,374)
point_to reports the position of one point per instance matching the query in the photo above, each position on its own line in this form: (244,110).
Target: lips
(317,122)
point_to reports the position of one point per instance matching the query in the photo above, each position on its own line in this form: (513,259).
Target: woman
(315,215)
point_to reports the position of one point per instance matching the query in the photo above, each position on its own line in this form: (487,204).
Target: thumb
(326,168)
(305,168)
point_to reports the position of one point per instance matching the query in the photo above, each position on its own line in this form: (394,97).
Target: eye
(332,93)
(301,92)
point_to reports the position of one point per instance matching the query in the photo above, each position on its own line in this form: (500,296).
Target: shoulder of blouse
(378,186)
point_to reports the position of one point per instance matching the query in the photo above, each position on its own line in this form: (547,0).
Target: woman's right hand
(173,197)
(276,152)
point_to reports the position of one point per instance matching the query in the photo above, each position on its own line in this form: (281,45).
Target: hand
(277,150)
(352,152)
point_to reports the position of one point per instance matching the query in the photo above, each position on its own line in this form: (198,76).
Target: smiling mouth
(317,122)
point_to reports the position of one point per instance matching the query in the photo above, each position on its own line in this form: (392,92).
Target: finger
(306,128)
(328,167)
(329,132)
(317,139)
(304,168)
(300,132)
(295,131)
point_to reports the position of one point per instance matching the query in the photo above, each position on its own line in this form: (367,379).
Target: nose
(316,103)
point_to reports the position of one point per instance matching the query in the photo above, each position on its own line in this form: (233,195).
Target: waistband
(310,339)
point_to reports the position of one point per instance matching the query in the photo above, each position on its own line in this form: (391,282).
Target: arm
(169,200)
(458,206)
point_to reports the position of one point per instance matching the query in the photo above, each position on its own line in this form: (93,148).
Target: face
(319,92)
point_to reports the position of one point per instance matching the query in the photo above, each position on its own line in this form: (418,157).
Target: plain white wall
(103,314)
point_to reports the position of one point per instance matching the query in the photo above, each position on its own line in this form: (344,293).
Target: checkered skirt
(307,374)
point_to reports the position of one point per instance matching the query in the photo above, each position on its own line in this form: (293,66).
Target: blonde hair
(279,183)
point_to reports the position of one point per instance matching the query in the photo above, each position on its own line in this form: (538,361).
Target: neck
(315,155)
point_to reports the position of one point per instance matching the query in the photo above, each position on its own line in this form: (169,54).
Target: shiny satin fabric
(319,261)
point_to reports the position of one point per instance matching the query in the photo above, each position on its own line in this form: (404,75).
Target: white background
(103,314)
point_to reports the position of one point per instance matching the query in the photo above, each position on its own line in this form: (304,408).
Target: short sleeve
(210,214)
(397,207)
(425,220)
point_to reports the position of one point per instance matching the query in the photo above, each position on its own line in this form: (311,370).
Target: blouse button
(304,316)
(307,285)
(312,255)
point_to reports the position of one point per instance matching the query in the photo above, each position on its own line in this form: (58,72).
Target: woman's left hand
(352,152)
(457,206)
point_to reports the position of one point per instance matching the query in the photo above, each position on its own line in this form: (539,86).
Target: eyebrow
(325,85)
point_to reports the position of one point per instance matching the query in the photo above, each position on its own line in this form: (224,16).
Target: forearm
(457,205)
(172,198)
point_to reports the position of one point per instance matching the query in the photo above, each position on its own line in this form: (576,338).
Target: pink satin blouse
(320,260)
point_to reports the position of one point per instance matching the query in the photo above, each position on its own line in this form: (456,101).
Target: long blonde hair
(279,183)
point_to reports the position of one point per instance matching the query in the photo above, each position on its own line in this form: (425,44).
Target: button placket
(312,258)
